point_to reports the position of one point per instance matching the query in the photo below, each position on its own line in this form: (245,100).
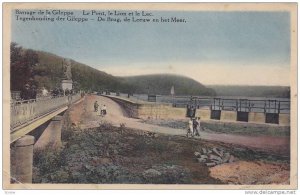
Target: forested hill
(49,73)
(162,84)
(46,70)
(252,91)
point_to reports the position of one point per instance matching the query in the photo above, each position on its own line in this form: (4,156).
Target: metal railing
(263,105)
(242,105)
(23,112)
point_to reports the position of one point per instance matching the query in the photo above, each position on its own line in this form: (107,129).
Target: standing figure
(198,128)
(195,125)
(33,92)
(190,128)
(67,69)
(103,110)
(25,92)
(96,105)
(44,92)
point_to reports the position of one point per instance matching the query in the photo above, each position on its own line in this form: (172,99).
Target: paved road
(116,116)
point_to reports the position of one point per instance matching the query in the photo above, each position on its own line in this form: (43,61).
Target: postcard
(150,96)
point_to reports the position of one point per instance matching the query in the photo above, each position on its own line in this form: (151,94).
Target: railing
(242,105)
(22,112)
(263,105)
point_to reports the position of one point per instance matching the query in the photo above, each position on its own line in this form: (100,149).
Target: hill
(47,71)
(162,84)
(252,91)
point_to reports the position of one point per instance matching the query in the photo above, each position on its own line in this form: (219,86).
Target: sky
(228,48)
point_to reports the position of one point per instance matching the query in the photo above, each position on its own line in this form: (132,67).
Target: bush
(47,161)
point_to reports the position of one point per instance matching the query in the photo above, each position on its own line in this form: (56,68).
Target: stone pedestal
(67,84)
(22,160)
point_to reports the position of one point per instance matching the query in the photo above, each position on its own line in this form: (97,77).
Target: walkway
(116,116)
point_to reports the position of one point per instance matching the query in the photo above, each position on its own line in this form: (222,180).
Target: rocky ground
(108,154)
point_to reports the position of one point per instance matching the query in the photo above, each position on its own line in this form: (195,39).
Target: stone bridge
(42,115)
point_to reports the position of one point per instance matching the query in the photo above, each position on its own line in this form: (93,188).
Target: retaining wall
(160,111)
(256,117)
(284,119)
(228,115)
(167,111)
(131,108)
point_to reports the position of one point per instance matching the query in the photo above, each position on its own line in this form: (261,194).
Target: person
(190,129)
(67,92)
(198,127)
(96,105)
(33,92)
(195,125)
(44,92)
(25,92)
(103,110)
(55,92)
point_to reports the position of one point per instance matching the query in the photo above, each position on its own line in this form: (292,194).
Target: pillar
(22,159)
(52,134)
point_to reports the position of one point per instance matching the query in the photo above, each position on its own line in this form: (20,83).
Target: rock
(231,159)
(209,151)
(151,173)
(217,162)
(222,152)
(226,157)
(204,156)
(215,150)
(214,157)
(197,154)
(204,151)
(210,164)
(201,160)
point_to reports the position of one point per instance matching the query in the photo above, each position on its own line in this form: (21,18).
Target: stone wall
(284,119)
(149,110)
(228,115)
(256,117)
(130,108)
(160,111)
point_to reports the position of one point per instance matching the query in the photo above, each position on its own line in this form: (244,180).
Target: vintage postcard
(150,96)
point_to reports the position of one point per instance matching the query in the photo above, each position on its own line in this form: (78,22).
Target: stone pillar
(22,160)
(52,135)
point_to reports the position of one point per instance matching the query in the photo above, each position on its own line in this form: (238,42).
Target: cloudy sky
(238,48)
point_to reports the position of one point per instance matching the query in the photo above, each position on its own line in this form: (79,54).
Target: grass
(248,129)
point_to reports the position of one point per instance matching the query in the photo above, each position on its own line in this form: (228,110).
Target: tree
(21,66)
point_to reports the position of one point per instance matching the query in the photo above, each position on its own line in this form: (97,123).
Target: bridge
(28,116)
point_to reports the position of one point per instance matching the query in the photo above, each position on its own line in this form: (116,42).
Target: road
(116,116)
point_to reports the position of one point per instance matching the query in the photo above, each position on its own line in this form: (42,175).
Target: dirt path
(116,116)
